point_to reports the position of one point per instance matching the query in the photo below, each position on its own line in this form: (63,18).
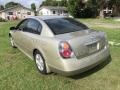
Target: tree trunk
(101,14)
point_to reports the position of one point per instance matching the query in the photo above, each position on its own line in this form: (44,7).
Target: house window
(65,11)
(54,12)
(10,13)
(18,12)
(28,13)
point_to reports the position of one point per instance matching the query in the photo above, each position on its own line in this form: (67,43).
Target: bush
(87,13)
(2,20)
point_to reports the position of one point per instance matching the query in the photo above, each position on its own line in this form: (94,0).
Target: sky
(26,3)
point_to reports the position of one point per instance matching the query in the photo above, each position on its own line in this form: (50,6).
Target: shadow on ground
(91,71)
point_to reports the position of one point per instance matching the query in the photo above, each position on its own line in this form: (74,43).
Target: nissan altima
(60,44)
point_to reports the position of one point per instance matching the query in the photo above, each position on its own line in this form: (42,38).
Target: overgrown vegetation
(54,3)
(2,20)
(33,7)
(1,7)
(11,4)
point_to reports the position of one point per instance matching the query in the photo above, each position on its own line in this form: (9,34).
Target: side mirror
(12,28)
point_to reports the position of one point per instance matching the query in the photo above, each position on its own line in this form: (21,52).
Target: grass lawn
(18,72)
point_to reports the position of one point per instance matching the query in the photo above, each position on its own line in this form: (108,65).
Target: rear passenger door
(18,33)
(31,33)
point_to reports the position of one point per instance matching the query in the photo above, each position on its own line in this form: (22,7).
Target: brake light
(65,50)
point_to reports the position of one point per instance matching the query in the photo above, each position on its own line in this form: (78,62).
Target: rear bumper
(74,67)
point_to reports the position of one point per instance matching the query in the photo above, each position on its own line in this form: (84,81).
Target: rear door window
(33,26)
(22,25)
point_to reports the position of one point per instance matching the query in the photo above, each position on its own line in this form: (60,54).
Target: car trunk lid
(84,42)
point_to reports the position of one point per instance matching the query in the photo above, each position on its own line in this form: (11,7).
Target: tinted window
(65,25)
(10,13)
(22,25)
(33,26)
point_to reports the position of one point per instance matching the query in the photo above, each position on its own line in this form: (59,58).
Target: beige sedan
(60,44)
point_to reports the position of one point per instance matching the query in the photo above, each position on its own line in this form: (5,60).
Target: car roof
(47,17)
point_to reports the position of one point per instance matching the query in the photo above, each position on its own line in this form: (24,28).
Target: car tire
(12,42)
(40,62)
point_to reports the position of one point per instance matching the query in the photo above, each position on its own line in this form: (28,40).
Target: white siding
(2,15)
(45,11)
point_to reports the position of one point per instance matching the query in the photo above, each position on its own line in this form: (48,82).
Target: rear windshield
(65,25)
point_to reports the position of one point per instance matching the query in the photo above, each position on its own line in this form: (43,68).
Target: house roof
(53,8)
(15,7)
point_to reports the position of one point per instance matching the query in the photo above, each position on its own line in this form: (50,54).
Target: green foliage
(11,4)
(54,3)
(1,7)
(63,3)
(49,3)
(80,9)
(2,20)
(91,8)
(88,12)
(72,7)
(33,7)
(91,3)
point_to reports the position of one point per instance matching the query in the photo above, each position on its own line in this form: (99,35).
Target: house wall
(18,12)
(45,11)
(2,15)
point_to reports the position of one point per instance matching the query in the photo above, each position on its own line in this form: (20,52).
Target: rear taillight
(65,50)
